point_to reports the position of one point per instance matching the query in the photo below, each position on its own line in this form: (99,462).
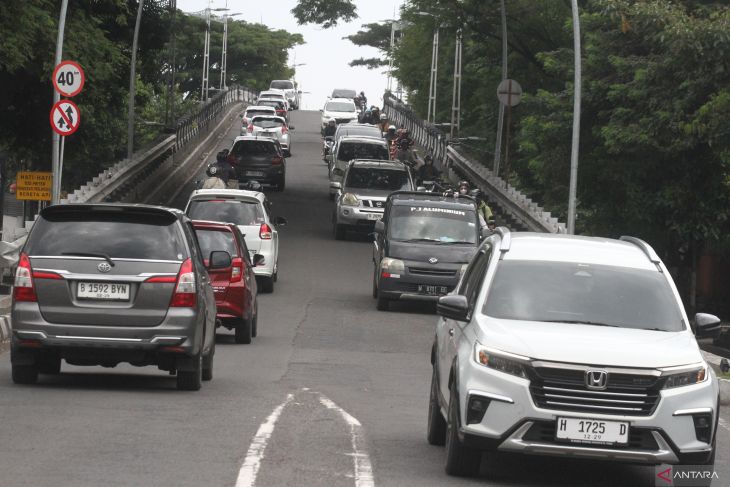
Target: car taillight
(277,161)
(265,232)
(284,129)
(185,295)
(24,289)
(236,269)
(249,129)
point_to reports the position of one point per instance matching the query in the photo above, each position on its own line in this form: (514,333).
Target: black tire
(266,284)
(461,461)
(281,184)
(339,231)
(49,363)
(375,284)
(383,303)
(207,373)
(25,374)
(244,331)
(436,431)
(255,321)
(191,380)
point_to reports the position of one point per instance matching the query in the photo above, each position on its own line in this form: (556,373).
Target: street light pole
(456,97)
(223,55)
(577,92)
(55,145)
(500,120)
(132,84)
(431,117)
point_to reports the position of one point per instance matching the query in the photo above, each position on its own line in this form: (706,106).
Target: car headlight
(392,266)
(350,199)
(694,376)
(487,358)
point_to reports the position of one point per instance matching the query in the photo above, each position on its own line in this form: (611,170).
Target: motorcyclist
(363,99)
(404,145)
(483,208)
(213,180)
(374,115)
(428,171)
(367,117)
(390,135)
(329,130)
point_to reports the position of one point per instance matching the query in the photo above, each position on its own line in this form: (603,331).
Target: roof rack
(506,235)
(645,247)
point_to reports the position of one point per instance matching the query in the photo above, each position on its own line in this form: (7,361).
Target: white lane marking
(724,424)
(252,462)
(363,467)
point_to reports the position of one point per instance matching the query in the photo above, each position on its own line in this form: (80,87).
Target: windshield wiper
(411,240)
(582,322)
(91,254)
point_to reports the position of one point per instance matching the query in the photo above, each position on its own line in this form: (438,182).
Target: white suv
(570,346)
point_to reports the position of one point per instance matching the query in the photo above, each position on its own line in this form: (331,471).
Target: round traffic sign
(65,117)
(68,78)
(509,92)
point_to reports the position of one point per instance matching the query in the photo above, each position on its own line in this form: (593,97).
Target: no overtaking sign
(65,117)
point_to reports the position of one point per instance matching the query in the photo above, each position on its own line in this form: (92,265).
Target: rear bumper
(268,175)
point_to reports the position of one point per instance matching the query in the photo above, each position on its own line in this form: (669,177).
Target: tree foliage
(324,12)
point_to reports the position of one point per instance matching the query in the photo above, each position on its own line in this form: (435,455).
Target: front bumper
(357,217)
(420,281)
(515,424)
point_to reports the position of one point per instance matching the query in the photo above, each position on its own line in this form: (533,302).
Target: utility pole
(56,141)
(431,117)
(170,108)
(390,61)
(456,96)
(223,55)
(206,58)
(132,83)
(577,92)
(500,120)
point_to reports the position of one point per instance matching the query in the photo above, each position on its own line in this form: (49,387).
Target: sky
(325,54)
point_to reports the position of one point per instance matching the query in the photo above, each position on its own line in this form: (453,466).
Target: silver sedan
(271,126)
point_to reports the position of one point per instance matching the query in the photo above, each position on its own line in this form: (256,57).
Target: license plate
(375,216)
(255,173)
(103,290)
(435,290)
(584,430)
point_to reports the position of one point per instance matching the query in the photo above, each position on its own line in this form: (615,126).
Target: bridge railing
(508,198)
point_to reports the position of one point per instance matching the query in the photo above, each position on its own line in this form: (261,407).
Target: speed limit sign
(68,78)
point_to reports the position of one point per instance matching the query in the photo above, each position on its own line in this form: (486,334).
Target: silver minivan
(101,284)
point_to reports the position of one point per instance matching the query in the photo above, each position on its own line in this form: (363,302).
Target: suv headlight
(487,358)
(392,266)
(350,199)
(694,376)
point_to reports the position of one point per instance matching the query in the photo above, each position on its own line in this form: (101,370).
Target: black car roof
(112,207)
(403,198)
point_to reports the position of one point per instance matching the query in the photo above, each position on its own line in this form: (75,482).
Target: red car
(234,285)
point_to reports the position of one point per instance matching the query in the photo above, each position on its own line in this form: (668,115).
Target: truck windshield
(432,224)
(599,295)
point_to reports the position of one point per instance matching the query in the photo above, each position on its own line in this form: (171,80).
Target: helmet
(391,129)
(383,116)
(362,93)
(332,122)
(212,170)
(428,159)
(222,155)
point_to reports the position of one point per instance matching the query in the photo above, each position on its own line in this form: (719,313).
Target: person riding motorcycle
(428,171)
(367,117)
(213,181)
(483,208)
(404,144)
(374,115)
(329,130)
(390,135)
(383,122)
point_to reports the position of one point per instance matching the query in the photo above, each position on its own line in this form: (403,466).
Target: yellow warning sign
(34,186)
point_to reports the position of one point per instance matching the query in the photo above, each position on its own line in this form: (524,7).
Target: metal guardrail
(509,199)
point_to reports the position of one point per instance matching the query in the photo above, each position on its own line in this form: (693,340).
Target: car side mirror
(257,260)
(379,227)
(219,259)
(707,325)
(280,221)
(454,307)
(291,127)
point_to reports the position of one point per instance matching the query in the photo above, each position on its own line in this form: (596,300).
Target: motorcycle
(327,144)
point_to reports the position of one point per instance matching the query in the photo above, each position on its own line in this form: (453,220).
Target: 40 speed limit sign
(68,78)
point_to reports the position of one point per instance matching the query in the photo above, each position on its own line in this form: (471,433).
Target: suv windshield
(282,85)
(227,211)
(212,240)
(339,106)
(431,224)
(567,292)
(115,234)
(267,122)
(362,150)
(385,179)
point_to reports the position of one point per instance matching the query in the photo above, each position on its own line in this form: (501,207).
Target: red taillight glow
(162,279)
(284,129)
(265,232)
(249,129)
(46,275)
(236,269)
(185,295)
(277,161)
(24,289)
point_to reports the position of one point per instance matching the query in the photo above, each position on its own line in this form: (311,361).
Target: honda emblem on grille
(596,379)
(104,267)
(433,260)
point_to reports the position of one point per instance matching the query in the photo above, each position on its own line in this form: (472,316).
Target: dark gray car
(259,159)
(104,284)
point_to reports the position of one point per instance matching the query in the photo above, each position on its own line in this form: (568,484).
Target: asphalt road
(331,392)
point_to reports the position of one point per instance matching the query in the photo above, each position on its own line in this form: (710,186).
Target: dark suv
(259,159)
(102,284)
(422,246)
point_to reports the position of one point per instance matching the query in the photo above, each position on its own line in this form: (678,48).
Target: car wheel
(266,284)
(191,380)
(243,331)
(339,231)
(375,284)
(207,373)
(383,303)
(287,153)
(49,363)
(436,432)
(276,275)
(461,461)
(281,184)
(255,321)
(25,374)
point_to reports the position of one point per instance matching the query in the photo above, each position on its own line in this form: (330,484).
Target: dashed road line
(252,462)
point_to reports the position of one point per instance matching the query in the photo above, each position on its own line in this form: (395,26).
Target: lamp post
(132,84)
(456,97)
(577,89)
(56,141)
(224,55)
(432,86)
(500,120)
